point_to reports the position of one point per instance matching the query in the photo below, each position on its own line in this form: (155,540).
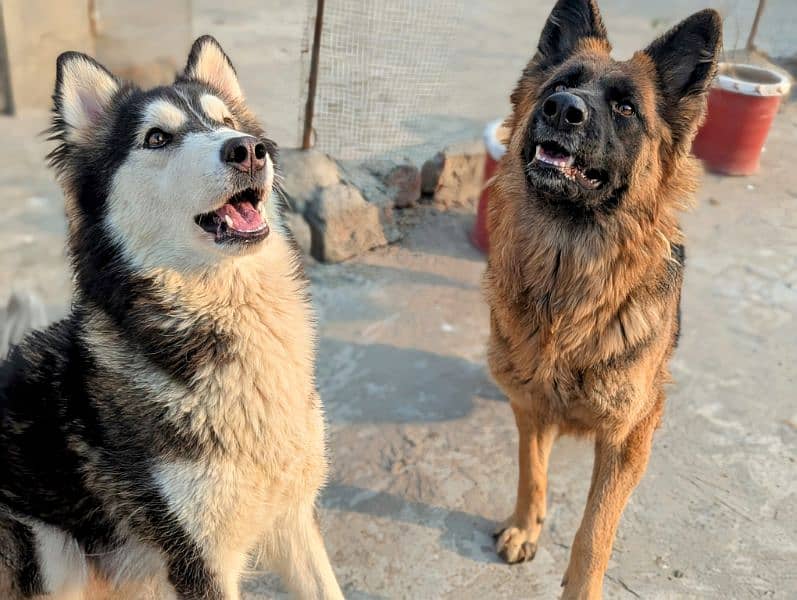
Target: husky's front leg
(193,579)
(300,558)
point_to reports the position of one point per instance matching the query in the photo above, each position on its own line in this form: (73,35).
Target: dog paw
(515,545)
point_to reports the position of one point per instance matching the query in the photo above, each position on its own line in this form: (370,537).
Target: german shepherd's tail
(23,313)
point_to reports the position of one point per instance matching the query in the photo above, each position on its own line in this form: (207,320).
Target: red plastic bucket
(741,106)
(493,134)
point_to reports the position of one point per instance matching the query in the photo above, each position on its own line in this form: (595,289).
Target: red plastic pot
(479,235)
(741,106)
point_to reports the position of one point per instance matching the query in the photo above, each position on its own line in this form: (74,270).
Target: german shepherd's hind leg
(618,468)
(516,538)
(298,555)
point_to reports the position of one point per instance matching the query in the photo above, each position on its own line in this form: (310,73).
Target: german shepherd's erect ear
(685,59)
(570,21)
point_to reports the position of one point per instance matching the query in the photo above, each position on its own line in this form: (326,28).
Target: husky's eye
(156,138)
(625,109)
(229,122)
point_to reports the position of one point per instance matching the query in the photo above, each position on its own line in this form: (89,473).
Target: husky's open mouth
(237,220)
(552,156)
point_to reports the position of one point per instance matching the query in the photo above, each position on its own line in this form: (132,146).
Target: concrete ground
(423,444)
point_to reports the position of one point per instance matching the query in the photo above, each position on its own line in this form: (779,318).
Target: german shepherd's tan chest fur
(563,326)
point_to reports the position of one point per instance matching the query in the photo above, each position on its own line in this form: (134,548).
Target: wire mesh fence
(380,71)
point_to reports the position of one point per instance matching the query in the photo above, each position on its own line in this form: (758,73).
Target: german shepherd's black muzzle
(562,154)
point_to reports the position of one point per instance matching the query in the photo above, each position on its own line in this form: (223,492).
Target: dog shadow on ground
(466,534)
(266,584)
(335,276)
(380,383)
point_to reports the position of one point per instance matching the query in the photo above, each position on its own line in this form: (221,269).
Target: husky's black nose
(244,153)
(564,110)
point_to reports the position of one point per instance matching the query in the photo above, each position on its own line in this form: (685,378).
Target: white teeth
(542,156)
(228,220)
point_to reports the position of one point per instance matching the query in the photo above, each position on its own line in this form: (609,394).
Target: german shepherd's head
(593,133)
(177,177)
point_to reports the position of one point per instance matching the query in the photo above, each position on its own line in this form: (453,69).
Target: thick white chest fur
(261,409)
(259,412)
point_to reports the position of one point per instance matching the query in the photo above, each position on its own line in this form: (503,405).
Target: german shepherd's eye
(156,138)
(625,109)
(229,122)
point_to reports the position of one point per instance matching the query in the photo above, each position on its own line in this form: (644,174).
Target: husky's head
(177,177)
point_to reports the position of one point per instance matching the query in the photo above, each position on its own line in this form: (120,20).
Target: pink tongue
(243,215)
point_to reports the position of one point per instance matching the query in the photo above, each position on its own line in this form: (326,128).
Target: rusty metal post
(313,81)
(754,29)
(6,97)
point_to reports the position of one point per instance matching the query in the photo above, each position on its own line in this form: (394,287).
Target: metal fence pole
(754,29)
(313,81)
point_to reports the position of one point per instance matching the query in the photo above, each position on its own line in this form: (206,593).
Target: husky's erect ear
(208,63)
(83,92)
(570,21)
(685,59)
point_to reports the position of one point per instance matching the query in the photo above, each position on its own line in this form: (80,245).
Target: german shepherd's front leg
(516,539)
(618,467)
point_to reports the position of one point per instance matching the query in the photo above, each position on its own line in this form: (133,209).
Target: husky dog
(170,426)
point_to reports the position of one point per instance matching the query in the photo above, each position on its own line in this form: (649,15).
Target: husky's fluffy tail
(23,313)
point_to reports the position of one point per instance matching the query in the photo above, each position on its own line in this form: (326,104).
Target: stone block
(343,223)
(300,230)
(304,174)
(455,175)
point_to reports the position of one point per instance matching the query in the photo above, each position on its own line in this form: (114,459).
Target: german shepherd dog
(585,268)
(169,427)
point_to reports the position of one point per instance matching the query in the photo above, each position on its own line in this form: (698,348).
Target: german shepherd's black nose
(244,153)
(564,110)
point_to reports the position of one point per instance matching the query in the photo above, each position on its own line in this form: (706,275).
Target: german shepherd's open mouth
(553,159)
(238,220)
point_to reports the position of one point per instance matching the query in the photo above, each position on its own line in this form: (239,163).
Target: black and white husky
(170,427)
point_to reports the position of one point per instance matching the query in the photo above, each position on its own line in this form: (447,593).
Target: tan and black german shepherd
(585,269)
